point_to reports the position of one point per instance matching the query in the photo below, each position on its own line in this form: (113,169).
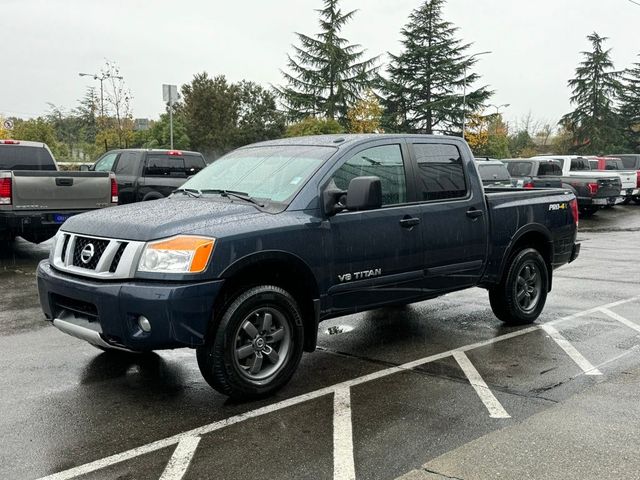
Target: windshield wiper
(232,193)
(192,192)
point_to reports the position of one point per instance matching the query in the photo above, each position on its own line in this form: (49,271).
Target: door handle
(409,222)
(474,213)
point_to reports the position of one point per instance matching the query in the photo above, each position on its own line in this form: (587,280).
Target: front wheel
(257,345)
(522,293)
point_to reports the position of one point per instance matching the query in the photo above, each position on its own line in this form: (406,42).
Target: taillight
(593,188)
(5,190)
(9,142)
(114,191)
(528,185)
(573,204)
(638,181)
(175,152)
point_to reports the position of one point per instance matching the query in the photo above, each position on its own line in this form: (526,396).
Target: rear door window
(163,165)
(519,169)
(193,164)
(440,172)
(549,169)
(580,164)
(20,157)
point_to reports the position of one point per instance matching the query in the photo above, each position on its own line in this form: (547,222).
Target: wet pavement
(439,389)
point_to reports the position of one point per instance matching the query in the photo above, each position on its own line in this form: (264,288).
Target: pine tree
(424,89)
(327,74)
(630,107)
(595,124)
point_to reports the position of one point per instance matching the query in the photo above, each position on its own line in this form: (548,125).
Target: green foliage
(630,107)
(424,89)
(220,116)
(521,144)
(40,130)
(258,116)
(488,136)
(159,135)
(594,124)
(314,126)
(327,74)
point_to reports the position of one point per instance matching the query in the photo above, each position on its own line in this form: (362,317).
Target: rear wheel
(636,200)
(257,345)
(522,293)
(626,201)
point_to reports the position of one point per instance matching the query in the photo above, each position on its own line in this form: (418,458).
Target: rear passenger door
(376,254)
(452,213)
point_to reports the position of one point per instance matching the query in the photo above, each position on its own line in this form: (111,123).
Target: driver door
(376,253)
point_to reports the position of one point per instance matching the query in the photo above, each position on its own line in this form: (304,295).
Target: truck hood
(162,218)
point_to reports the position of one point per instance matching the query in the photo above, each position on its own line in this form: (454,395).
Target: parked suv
(149,174)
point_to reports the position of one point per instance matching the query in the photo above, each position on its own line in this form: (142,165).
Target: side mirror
(84,168)
(364,193)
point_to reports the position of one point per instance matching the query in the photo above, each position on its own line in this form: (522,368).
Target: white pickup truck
(628,177)
(36,198)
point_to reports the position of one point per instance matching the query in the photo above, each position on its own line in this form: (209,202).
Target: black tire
(626,201)
(636,200)
(507,300)
(230,354)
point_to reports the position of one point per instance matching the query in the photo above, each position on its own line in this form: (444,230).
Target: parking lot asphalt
(439,389)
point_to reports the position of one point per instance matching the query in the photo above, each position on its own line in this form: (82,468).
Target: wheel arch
(536,236)
(282,269)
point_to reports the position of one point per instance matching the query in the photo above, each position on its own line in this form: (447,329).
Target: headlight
(182,254)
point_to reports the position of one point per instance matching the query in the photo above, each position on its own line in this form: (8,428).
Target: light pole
(498,107)
(464,91)
(102,77)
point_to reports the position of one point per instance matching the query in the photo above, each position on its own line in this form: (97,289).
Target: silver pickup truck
(36,198)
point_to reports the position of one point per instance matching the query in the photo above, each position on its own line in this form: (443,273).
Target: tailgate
(608,187)
(37,190)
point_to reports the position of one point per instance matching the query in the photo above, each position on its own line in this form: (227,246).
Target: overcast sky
(535,44)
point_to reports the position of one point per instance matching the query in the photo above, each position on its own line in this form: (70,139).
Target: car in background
(631,161)
(535,173)
(628,177)
(594,189)
(149,174)
(36,198)
(494,173)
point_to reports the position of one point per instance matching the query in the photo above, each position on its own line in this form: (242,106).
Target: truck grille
(84,257)
(116,258)
(112,258)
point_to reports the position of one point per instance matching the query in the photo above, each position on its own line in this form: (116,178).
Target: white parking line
(181,458)
(343,466)
(490,401)
(570,350)
(211,427)
(621,319)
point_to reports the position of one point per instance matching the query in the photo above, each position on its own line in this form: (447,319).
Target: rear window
(494,172)
(580,164)
(20,157)
(629,163)
(613,164)
(165,165)
(519,169)
(550,169)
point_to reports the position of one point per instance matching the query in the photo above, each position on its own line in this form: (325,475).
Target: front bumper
(100,311)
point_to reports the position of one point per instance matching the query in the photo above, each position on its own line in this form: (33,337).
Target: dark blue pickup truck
(246,259)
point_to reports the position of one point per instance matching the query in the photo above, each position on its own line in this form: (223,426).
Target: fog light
(144,323)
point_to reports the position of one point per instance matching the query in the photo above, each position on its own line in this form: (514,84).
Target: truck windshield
(273,173)
(21,157)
